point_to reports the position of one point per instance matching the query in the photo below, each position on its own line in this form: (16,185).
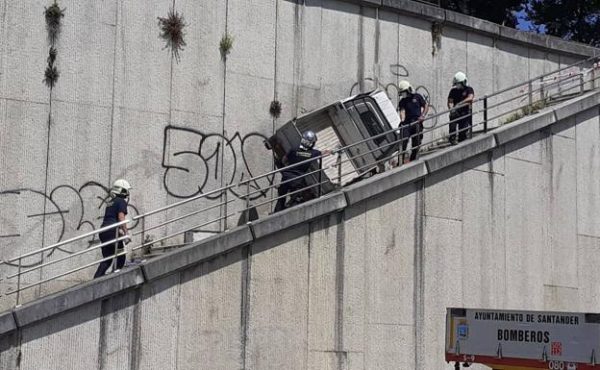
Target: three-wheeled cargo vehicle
(345,127)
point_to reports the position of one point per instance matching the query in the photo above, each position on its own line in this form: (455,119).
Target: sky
(524,24)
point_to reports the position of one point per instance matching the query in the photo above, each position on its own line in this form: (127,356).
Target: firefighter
(460,101)
(116,210)
(412,108)
(293,178)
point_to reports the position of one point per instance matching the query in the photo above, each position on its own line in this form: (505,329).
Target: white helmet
(459,78)
(404,86)
(120,187)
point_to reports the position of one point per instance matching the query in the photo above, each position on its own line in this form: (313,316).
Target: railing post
(485,113)
(594,67)
(530,95)
(225,209)
(542,90)
(320,177)
(248,201)
(339,168)
(143,235)
(581,83)
(114,261)
(19,281)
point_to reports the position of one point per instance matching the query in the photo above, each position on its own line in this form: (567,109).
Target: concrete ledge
(327,204)
(77,296)
(459,153)
(435,14)
(574,106)
(429,12)
(524,126)
(472,23)
(197,252)
(7,322)
(384,182)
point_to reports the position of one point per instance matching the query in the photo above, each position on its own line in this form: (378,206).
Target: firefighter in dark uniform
(412,108)
(293,178)
(460,100)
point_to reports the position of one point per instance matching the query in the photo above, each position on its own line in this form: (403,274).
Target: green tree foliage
(576,20)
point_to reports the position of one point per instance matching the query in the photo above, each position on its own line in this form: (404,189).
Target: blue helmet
(309,138)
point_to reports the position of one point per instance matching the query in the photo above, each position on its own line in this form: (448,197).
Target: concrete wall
(354,280)
(123,107)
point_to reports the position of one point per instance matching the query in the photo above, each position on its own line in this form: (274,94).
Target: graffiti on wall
(392,90)
(196,162)
(69,211)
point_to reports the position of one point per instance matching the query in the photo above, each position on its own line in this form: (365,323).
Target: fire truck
(523,340)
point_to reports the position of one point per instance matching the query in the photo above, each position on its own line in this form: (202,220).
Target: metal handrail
(247,196)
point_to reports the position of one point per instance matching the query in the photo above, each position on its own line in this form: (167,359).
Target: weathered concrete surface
(358,280)
(361,281)
(124,106)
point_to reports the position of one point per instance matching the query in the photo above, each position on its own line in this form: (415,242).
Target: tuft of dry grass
(171,30)
(226,45)
(53,15)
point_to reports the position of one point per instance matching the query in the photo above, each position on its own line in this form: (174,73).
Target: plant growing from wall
(53,15)
(172,31)
(226,45)
(275,109)
(51,74)
(525,111)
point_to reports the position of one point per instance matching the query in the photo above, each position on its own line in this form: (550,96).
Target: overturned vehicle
(357,129)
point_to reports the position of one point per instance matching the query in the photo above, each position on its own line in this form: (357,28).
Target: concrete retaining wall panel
(443,285)
(526,148)
(159,315)
(197,84)
(355,287)
(588,178)
(512,68)
(389,53)
(562,238)
(278,300)
(252,24)
(341,59)
(288,51)
(561,298)
(72,335)
(526,241)
(9,351)
(389,257)
(483,235)
(588,259)
(117,325)
(310,56)
(318,360)
(487,162)
(326,276)
(210,329)
(390,346)
(370,43)
(25,52)
(142,78)
(443,193)
(85,52)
